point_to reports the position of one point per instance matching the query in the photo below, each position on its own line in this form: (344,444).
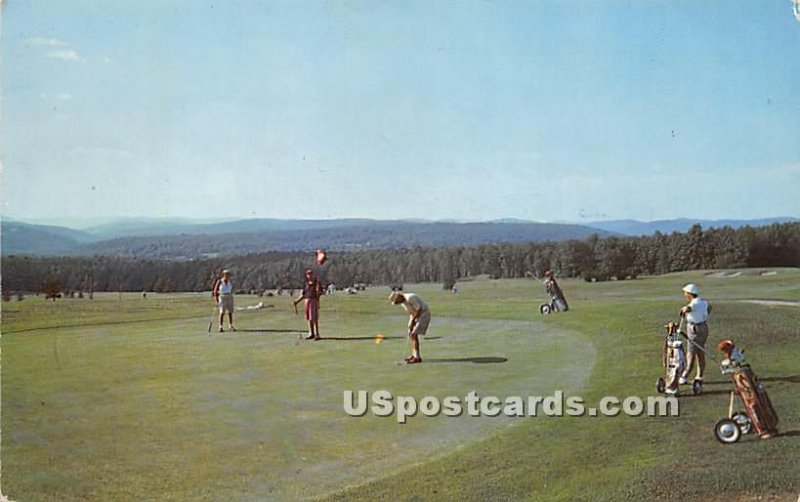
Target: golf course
(129,398)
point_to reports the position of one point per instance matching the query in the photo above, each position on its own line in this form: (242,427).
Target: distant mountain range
(185,239)
(24,238)
(140,227)
(635,228)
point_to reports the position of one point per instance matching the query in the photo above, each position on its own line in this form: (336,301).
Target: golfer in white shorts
(419,319)
(224,297)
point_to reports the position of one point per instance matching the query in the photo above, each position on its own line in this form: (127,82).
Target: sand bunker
(723,274)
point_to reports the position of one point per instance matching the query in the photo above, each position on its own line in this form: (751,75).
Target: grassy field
(131,399)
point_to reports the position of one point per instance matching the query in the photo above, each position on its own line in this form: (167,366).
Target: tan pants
(225,303)
(697,333)
(420,327)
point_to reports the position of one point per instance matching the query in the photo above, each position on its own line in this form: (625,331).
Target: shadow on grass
(707,393)
(789,379)
(270,331)
(788,434)
(372,338)
(349,338)
(474,360)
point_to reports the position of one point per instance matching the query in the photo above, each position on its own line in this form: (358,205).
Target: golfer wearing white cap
(420,318)
(696,315)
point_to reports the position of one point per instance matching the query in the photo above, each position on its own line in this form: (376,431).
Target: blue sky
(475,110)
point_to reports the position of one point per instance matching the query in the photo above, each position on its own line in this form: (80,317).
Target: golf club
(297,315)
(682,331)
(211,322)
(405,347)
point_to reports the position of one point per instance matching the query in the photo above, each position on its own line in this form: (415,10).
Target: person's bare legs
(415,348)
(230,321)
(221,320)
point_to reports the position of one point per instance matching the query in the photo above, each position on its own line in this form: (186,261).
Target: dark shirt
(312,289)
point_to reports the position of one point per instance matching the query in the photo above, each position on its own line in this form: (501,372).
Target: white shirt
(699,311)
(414,304)
(225,288)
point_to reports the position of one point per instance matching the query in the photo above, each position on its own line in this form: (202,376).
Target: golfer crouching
(419,319)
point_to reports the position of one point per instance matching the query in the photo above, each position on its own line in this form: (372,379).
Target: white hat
(692,288)
(226,271)
(394,296)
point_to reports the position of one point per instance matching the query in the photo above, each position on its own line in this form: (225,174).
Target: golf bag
(755,399)
(557,301)
(673,360)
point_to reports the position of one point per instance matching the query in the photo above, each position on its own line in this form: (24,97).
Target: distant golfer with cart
(557,301)
(418,321)
(310,295)
(695,313)
(222,292)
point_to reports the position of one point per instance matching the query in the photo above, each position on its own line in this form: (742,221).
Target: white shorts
(225,303)
(421,325)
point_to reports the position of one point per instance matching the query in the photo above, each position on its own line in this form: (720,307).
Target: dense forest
(594,258)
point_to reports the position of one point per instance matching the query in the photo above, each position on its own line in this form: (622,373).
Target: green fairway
(125,398)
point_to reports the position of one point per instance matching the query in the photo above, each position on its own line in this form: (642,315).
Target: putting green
(136,409)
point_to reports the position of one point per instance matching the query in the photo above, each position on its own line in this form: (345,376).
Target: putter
(405,347)
(211,322)
(297,314)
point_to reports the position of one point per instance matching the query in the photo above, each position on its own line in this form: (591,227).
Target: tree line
(594,258)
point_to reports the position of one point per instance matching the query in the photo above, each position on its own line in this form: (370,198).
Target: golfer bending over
(223,296)
(312,290)
(696,314)
(419,319)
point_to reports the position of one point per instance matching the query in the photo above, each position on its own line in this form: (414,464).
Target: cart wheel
(544,308)
(661,385)
(743,421)
(697,387)
(727,431)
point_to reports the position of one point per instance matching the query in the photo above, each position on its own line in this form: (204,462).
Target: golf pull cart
(556,304)
(673,360)
(759,414)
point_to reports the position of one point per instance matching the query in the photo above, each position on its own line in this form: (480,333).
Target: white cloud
(65,55)
(107,60)
(46,42)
